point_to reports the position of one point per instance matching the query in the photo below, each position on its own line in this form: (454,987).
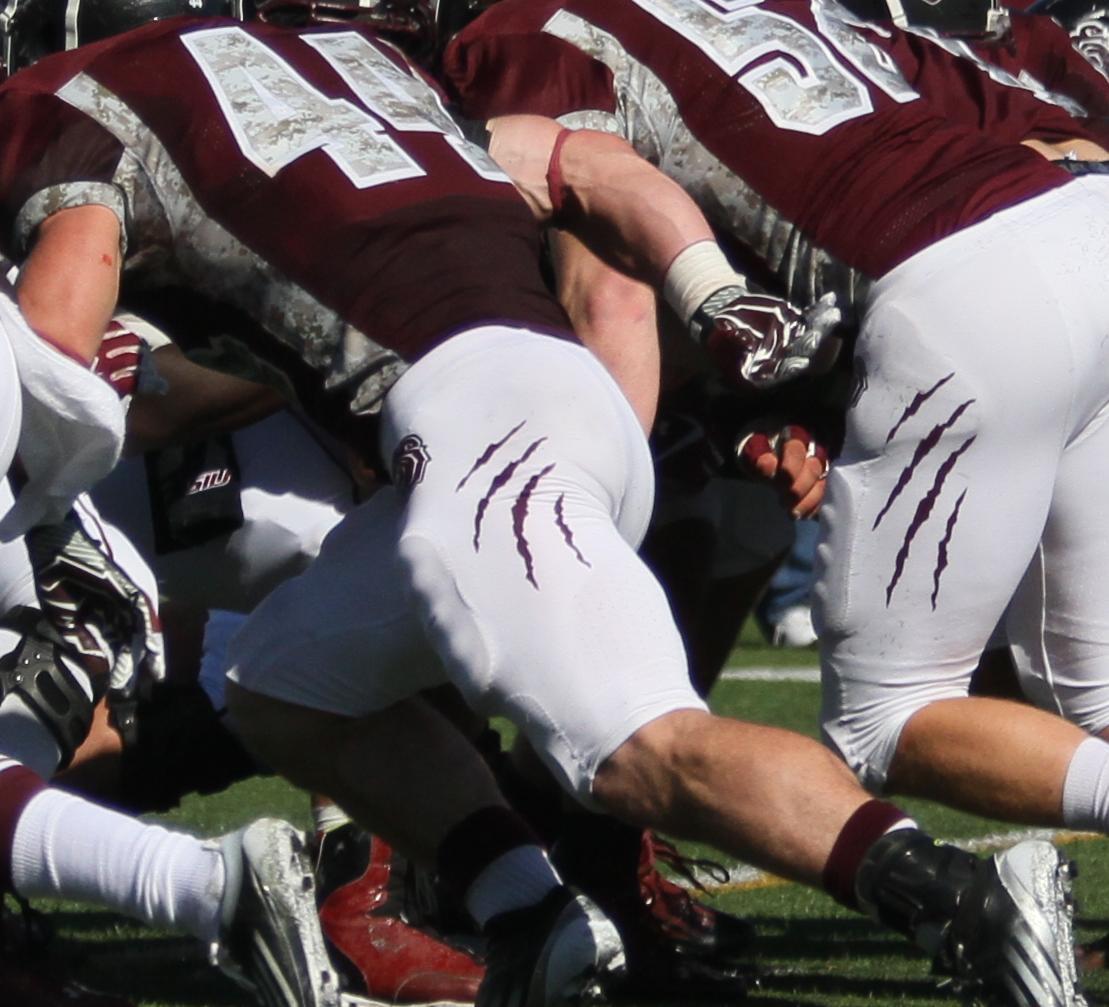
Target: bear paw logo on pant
(410,460)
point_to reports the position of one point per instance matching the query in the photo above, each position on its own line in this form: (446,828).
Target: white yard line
(771,675)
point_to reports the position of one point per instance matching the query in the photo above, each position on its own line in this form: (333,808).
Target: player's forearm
(196,402)
(68,286)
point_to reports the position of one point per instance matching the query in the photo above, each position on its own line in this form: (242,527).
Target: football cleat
(270,939)
(694,928)
(563,950)
(29,977)
(384,954)
(1012,939)
(1000,929)
(617,866)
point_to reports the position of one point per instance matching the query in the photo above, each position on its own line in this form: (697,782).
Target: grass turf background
(809,951)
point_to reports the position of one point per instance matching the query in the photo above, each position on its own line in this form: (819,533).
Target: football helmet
(421,28)
(975,19)
(410,24)
(31,29)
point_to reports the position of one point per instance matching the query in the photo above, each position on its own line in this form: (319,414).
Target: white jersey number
(277,116)
(804,81)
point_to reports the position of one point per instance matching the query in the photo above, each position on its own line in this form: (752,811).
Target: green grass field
(810,952)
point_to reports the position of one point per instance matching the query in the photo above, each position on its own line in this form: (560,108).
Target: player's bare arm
(644,224)
(196,401)
(69,283)
(600,185)
(615,316)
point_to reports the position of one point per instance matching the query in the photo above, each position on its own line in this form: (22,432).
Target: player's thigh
(1058,623)
(343,637)
(939,498)
(529,489)
(11,406)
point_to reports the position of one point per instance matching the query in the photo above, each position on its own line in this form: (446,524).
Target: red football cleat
(384,956)
(696,928)
(677,948)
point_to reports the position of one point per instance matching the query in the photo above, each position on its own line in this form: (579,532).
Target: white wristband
(697,271)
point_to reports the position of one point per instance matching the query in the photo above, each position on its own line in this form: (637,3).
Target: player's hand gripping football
(111,624)
(790,457)
(761,341)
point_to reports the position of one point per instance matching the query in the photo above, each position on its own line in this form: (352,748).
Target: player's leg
(1058,630)
(12,399)
(321,681)
(552,515)
(939,500)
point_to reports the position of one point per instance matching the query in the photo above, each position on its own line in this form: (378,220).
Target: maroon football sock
(864,828)
(18,785)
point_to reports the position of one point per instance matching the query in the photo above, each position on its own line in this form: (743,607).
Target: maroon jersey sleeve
(53,157)
(497,73)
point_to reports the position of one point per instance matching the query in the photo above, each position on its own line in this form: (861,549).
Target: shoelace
(657,849)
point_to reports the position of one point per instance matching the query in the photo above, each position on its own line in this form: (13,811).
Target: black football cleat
(1000,929)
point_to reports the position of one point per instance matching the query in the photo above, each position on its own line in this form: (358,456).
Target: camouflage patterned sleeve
(47,145)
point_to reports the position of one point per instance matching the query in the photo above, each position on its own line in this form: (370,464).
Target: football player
(521,477)
(252,889)
(915,568)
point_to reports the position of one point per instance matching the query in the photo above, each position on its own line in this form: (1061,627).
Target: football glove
(109,622)
(754,443)
(761,341)
(124,360)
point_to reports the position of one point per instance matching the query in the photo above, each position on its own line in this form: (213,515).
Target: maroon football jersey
(981,85)
(1040,51)
(796,135)
(310,178)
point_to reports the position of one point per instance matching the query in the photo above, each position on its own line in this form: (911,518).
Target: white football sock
(68,847)
(24,738)
(1086,788)
(521,877)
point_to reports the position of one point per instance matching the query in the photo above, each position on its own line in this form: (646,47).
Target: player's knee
(645,779)
(866,738)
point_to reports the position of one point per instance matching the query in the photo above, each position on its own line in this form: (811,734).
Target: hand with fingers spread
(761,341)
